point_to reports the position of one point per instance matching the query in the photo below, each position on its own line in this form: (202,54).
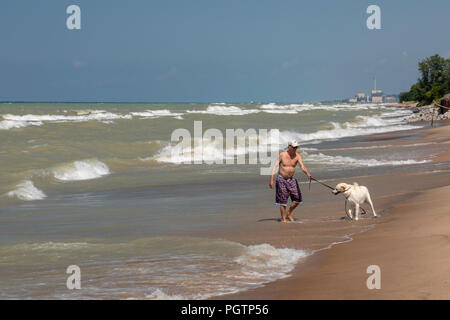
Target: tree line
(434,81)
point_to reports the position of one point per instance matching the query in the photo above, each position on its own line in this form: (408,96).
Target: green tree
(446,75)
(434,81)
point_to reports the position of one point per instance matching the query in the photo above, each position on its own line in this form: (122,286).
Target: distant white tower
(377,95)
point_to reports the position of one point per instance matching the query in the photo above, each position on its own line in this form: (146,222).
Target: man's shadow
(276,219)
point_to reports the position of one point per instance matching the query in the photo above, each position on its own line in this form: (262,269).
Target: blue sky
(214,50)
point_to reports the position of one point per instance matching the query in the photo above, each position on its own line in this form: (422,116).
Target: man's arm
(274,169)
(302,166)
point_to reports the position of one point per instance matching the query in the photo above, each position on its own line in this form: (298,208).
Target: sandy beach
(409,242)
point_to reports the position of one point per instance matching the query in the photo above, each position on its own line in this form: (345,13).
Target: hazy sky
(214,50)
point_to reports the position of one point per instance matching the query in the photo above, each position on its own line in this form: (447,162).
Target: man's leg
(291,208)
(296,197)
(283,213)
(281,196)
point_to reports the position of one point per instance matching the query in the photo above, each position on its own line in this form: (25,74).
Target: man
(286,185)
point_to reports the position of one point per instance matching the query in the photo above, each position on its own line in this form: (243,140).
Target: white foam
(254,266)
(384,146)
(50,245)
(216,151)
(27,191)
(368,125)
(265,262)
(20,121)
(285,109)
(81,170)
(159,294)
(296,108)
(99,115)
(348,161)
(196,269)
(157,114)
(281,111)
(221,110)
(209,151)
(10,124)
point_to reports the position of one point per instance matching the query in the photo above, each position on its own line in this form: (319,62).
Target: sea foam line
(345,161)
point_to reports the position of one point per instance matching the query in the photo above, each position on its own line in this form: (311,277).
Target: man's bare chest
(288,162)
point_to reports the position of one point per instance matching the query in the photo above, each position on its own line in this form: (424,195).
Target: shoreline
(413,264)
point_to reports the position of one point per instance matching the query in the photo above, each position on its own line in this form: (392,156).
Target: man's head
(293,145)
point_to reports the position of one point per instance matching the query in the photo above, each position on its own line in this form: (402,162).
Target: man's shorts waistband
(280,176)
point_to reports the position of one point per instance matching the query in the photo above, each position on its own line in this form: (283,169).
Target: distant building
(377,95)
(391,99)
(361,97)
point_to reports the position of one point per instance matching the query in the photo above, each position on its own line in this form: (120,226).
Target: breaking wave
(157,114)
(360,126)
(213,152)
(10,124)
(20,121)
(254,266)
(217,150)
(221,110)
(296,108)
(74,116)
(348,161)
(207,151)
(81,170)
(27,191)
(11,121)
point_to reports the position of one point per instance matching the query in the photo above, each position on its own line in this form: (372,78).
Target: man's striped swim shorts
(285,188)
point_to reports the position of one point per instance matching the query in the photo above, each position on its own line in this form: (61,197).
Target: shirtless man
(286,184)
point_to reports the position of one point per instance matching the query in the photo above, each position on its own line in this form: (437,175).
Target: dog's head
(341,187)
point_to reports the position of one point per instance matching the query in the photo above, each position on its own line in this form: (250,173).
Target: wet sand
(410,242)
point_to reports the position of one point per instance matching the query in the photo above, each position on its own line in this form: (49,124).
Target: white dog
(356,195)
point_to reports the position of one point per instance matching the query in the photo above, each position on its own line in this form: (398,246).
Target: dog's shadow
(365,216)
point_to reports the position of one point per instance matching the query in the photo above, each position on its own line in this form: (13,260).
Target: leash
(324,184)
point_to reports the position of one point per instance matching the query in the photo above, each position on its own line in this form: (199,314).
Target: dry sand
(410,243)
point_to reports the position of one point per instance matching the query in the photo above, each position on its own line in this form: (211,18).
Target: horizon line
(179,102)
